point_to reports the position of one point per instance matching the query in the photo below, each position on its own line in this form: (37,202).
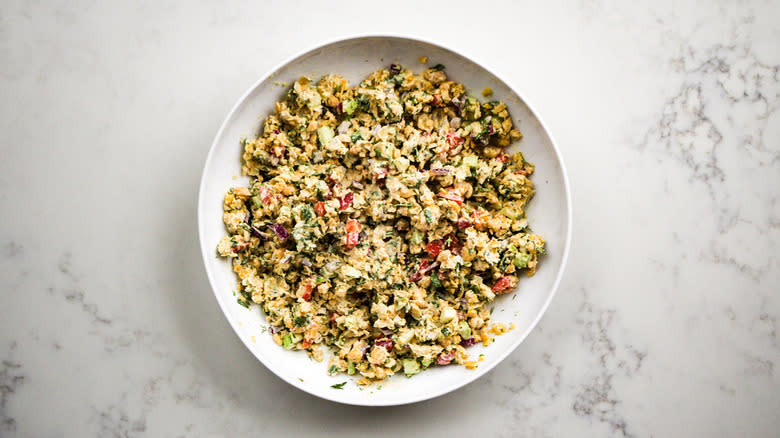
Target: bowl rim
(206,249)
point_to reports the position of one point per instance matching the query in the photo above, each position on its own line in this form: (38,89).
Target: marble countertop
(665,323)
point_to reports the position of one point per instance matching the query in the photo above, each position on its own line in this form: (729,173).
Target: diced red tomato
(453,244)
(417,276)
(461,315)
(346,201)
(464,223)
(436,100)
(506,283)
(445,359)
(479,219)
(240,245)
(502,157)
(453,139)
(306,344)
(306,288)
(332,316)
(452,196)
(353,226)
(521,172)
(319,208)
(352,239)
(385,342)
(265,194)
(434,248)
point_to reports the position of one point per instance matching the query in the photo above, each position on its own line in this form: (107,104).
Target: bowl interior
(354,59)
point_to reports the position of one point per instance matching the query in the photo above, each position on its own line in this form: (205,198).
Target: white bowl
(549,214)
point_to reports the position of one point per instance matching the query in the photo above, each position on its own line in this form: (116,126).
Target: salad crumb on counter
(381,221)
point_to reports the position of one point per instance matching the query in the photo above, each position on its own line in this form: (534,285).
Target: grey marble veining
(665,323)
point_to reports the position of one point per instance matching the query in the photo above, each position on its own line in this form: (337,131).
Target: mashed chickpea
(381,220)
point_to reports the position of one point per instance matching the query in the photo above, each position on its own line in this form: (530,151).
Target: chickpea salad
(381,221)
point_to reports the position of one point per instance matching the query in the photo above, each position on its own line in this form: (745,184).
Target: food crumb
(471,365)
(498,329)
(235,177)
(252,338)
(423,59)
(512,326)
(487,92)
(481,358)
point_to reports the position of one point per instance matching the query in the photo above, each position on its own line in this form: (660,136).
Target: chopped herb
(356,136)
(438,67)
(435,282)
(338,385)
(363,103)
(306,212)
(428,216)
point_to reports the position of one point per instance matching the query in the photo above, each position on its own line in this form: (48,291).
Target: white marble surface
(666,321)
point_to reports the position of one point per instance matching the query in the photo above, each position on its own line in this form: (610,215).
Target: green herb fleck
(338,385)
(428,216)
(435,282)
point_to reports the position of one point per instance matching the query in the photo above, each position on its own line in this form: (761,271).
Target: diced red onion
(429,268)
(386,331)
(257,233)
(468,342)
(332,265)
(274,330)
(387,343)
(285,259)
(306,262)
(280,231)
(455,122)
(440,171)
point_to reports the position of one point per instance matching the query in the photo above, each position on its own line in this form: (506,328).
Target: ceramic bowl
(549,214)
